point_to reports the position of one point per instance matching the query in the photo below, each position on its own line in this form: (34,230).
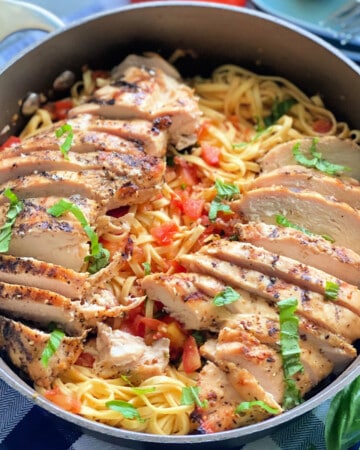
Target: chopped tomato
(322,126)
(187,172)
(66,402)
(178,268)
(202,131)
(99,74)
(12,140)
(85,360)
(61,108)
(210,154)
(193,208)
(191,356)
(164,234)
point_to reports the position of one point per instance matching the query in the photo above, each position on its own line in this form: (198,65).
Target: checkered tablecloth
(25,426)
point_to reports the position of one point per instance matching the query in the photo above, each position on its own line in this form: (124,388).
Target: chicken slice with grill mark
(311,305)
(51,277)
(24,346)
(252,257)
(303,178)
(310,210)
(91,133)
(119,353)
(307,249)
(333,149)
(223,392)
(152,95)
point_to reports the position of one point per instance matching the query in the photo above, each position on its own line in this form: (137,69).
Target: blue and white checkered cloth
(26,426)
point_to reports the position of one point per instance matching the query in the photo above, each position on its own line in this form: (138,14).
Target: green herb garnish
(99,256)
(284,222)
(66,145)
(143,391)
(225,191)
(278,110)
(342,425)
(52,345)
(190,396)
(226,297)
(147,268)
(15,208)
(331,290)
(317,161)
(290,350)
(125,408)
(245,406)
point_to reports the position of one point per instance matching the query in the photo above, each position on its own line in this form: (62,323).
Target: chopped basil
(147,268)
(52,345)
(342,425)
(331,290)
(278,110)
(66,145)
(143,391)
(244,406)
(15,208)
(190,396)
(290,350)
(226,297)
(284,222)
(225,191)
(317,161)
(125,408)
(99,256)
(199,337)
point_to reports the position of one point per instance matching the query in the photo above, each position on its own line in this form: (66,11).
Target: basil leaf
(190,396)
(278,110)
(15,208)
(143,391)
(284,222)
(99,256)
(52,345)
(342,425)
(226,297)
(245,406)
(125,408)
(331,290)
(317,161)
(147,268)
(66,145)
(290,350)
(216,206)
(226,190)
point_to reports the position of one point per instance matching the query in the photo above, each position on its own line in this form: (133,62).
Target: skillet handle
(17,16)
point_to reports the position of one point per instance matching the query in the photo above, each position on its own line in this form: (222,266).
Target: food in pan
(179,256)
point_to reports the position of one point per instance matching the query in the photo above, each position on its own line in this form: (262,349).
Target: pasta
(235,103)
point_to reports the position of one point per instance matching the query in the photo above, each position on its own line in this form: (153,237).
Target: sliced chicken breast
(311,305)
(310,210)
(303,178)
(249,256)
(24,346)
(151,95)
(333,149)
(308,249)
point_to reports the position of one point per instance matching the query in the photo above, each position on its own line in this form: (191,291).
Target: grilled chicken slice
(222,393)
(303,178)
(307,249)
(249,256)
(152,95)
(121,353)
(310,210)
(333,149)
(311,305)
(24,346)
(51,277)
(91,133)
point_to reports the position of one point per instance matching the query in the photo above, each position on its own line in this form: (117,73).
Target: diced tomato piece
(187,172)
(210,154)
(322,126)
(85,360)
(99,74)
(61,108)
(67,402)
(152,324)
(202,131)
(193,208)
(191,357)
(164,234)
(12,140)
(178,268)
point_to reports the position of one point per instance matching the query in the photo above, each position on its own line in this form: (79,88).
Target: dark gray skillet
(217,34)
